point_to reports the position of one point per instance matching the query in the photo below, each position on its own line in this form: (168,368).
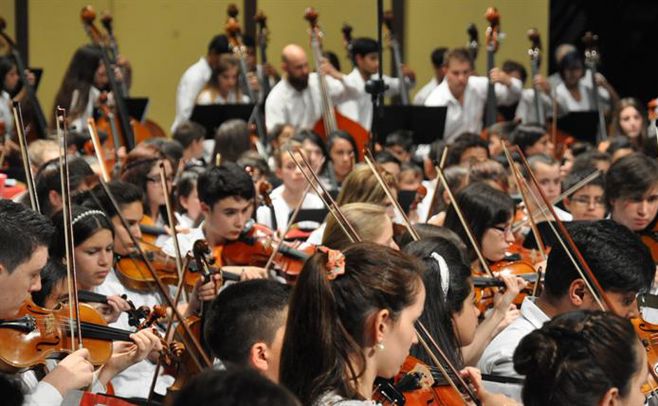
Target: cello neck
(328,113)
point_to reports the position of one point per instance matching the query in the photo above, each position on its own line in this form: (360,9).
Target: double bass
(535,61)
(331,119)
(492,43)
(39,129)
(592,59)
(397,57)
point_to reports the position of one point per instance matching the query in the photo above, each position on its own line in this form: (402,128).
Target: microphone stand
(376,87)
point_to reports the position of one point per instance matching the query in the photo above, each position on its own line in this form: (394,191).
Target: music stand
(137,107)
(427,124)
(211,116)
(582,125)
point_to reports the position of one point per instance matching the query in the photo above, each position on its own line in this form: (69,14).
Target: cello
(331,119)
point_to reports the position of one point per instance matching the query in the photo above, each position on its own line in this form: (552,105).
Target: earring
(380,346)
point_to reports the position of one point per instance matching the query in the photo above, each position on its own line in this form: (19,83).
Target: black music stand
(427,124)
(211,116)
(137,107)
(582,125)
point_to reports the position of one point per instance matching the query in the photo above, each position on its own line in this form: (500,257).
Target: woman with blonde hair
(370,222)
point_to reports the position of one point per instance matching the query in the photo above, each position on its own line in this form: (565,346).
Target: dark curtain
(628,35)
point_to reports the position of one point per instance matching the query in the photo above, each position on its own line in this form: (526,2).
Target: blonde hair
(361,186)
(367,219)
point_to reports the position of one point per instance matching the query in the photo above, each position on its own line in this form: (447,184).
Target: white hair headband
(86,214)
(445,273)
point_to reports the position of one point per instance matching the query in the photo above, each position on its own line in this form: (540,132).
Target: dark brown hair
(327,319)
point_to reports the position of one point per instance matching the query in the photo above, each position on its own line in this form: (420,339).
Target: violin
(135,314)
(38,334)
(331,119)
(254,248)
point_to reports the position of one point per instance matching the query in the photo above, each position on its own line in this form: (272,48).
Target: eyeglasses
(506,229)
(586,201)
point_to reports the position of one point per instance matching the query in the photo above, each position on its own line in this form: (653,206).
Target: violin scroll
(388,20)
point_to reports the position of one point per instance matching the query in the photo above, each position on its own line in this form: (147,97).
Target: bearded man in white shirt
(296,99)
(465,95)
(195,77)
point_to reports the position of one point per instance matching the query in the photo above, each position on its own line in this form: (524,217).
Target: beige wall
(163,37)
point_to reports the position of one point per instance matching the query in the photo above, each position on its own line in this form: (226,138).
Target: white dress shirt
(425,91)
(191,83)
(356,104)
(467,117)
(286,105)
(135,381)
(208,96)
(282,210)
(5,112)
(526,111)
(567,104)
(497,358)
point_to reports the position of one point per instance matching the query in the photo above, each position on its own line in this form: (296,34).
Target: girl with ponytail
(351,319)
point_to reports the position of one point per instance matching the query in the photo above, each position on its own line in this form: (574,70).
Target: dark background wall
(628,39)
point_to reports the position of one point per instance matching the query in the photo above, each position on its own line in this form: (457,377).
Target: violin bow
(171,219)
(520,185)
(307,170)
(573,189)
(27,167)
(161,286)
(423,337)
(369,159)
(95,141)
(74,319)
(462,219)
(569,246)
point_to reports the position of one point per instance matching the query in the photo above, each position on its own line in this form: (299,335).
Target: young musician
(222,88)
(547,172)
(48,182)
(191,136)
(618,259)
(142,169)
(631,191)
(370,221)
(467,148)
(437,65)
(286,197)
(533,140)
(588,202)
(360,309)
(9,81)
(135,381)
(227,203)
(245,324)
(295,99)
(342,153)
(188,205)
(630,120)
(195,77)
(583,358)
(466,95)
(234,387)
(357,105)
(24,239)
(450,313)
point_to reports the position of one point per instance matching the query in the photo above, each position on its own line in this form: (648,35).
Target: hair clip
(335,263)
(87,213)
(445,273)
